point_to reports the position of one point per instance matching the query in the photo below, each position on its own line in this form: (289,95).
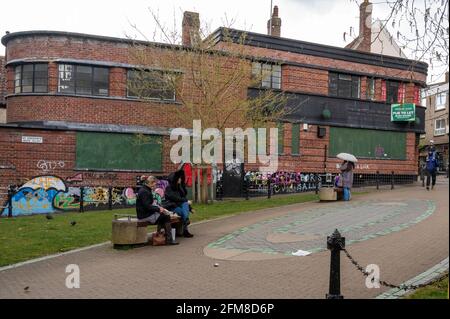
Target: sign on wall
(32,139)
(403,112)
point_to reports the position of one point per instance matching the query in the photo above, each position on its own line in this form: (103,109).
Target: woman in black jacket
(147,211)
(176,200)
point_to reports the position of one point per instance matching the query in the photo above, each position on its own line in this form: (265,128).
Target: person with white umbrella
(346,179)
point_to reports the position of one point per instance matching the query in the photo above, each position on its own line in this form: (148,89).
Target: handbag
(158,239)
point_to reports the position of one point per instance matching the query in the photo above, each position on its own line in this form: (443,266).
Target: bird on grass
(73,223)
(48,216)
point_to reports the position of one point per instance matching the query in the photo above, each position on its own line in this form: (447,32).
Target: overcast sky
(320,21)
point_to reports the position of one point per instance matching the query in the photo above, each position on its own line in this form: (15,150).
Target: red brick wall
(56,156)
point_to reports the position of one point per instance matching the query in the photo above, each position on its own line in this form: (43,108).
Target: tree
(210,83)
(420,28)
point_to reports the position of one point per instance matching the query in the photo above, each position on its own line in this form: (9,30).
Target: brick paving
(404,242)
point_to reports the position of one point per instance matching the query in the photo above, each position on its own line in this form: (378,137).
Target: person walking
(432,165)
(346,179)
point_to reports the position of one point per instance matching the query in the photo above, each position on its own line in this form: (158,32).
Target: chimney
(274,23)
(190,28)
(365,25)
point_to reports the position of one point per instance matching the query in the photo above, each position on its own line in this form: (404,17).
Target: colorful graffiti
(49,194)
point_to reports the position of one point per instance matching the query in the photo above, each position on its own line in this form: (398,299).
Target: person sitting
(148,211)
(176,199)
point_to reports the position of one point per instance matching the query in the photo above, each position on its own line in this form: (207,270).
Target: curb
(425,277)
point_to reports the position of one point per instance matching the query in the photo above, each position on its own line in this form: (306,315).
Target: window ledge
(119,98)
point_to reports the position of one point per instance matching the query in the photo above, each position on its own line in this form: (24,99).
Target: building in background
(71,115)
(436,97)
(373,35)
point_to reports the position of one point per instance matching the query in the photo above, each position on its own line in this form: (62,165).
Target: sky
(319,21)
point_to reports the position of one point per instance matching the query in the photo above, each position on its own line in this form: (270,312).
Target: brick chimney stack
(365,25)
(190,28)
(274,23)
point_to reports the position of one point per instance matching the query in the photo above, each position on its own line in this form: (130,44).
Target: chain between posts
(384,283)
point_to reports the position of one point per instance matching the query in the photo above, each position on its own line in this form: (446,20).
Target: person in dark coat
(176,200)
(431,167)
(148,211)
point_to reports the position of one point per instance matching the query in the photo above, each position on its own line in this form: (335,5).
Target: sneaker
(432,186)
(428,188)
(173,242)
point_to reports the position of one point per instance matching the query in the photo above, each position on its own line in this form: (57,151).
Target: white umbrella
(347,157)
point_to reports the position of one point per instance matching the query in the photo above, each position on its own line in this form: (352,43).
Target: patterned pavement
(308,230)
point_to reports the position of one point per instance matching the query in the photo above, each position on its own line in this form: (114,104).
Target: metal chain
(384,283)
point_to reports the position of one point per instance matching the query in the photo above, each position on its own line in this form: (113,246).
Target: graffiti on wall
(49,194)
(46,166)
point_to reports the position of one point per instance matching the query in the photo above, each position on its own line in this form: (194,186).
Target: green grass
(28,237)
(438,290)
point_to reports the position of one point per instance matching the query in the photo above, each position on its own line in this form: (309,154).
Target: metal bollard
(335,243)
(269,188)
(392,180)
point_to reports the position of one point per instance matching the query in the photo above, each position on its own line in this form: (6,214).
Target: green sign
(403,112)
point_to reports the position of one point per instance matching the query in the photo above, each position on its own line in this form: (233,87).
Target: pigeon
(73,223)
(26,289)
(48,216)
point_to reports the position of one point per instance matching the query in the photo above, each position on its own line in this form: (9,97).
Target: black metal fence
(256,184)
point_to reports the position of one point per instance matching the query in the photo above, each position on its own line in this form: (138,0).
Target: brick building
(71,116)
(435,97)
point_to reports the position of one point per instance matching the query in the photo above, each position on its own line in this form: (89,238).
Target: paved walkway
(404,231)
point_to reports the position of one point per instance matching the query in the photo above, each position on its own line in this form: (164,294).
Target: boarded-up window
(368,143)
(112,151)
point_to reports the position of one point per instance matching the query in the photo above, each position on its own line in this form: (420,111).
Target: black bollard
(335,243)
(269,188)
(392,180)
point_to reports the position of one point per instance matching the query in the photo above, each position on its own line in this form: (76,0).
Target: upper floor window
(344,85)
(83,79)
(31,78)
(392,92)
(439,127)
(269,75)
(441,99)
(370,90)
(152,84)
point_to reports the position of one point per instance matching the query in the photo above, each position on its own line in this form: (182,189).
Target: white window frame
(442,129)
(442,98)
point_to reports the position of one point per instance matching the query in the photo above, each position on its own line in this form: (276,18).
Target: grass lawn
(30,237)
(438,290)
